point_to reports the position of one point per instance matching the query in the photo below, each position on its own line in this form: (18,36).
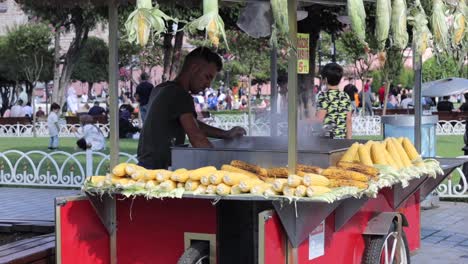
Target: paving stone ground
(444,235)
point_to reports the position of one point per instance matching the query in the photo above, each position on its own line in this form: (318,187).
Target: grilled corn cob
(191,185)
(350,153)
(231,168)
(167,185)
(364,155)
(317,190)
(278,184)
(249,167)
(309,169)
(289,191)
(401,153)
(195,175)
(410,150)
(300,191)
(315,179)
(294,180)
(223,189)
(246,185)
(278,172)
(343,183)
(368,170)
(233,178)
(378,156)
(336,173)
(356,158)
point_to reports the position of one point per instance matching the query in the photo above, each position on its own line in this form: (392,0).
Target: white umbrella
(445,87)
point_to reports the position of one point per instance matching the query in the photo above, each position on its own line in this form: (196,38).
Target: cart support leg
(399,238)
(292,255)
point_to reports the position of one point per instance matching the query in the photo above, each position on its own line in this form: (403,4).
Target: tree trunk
(56,87)
(179,38)
(90,89)
(167,46)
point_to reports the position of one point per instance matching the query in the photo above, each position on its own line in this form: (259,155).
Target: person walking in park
(366,98)
(17,110)
(53,125)
(351,90)
(142,95)
(96,110)
(334,106)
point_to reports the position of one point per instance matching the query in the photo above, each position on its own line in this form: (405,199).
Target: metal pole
(417,66)
(249,106)
(273,92)
(113,83)
(292,88)
(33,101)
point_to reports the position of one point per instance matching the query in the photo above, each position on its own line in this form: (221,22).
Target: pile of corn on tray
(363,170)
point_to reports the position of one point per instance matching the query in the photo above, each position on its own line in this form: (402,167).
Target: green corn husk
(439,24)
(211,22)
(421,34)
(399,32)
(460,23)
(279,8)
(357,13)
(382,27)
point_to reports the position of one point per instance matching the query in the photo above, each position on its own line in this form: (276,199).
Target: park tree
(93,63)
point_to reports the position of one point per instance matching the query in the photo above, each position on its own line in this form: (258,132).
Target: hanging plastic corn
(382,27)
(459,23)
(439,24)
(279,8)
(211,22)
(398,26)
(144,20)
(357,13)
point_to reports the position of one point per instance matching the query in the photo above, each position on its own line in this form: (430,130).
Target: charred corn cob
(289,191)
(216,177)
(300,191)
(393,152)
(317,190)
(344,182)
(278,184)
(368,170)
(210,189)
(294,180)
(249,167)
(167,185)
(278,172)
(336,173)
(315,179)
(231,168)
(350,153)
(223,189)
(236,189)
(378,156)
(410,150)
(195,175)
(364,155)
(401,153)
(309,169)
(191,185)
(246,185)
(233,178)
(260,188)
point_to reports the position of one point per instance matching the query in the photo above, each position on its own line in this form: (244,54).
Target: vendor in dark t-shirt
(171,112)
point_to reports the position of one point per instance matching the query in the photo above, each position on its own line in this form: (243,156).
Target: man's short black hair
(144,76)
(333,72)
(205,54)
(81,143)
(54,106)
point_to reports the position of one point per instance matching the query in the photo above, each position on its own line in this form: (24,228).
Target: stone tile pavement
(28,204)
(444,235)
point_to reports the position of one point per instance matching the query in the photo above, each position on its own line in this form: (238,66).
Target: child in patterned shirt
(334,106)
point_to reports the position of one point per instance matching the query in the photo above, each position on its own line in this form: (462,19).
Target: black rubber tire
(374,246)
(196,252)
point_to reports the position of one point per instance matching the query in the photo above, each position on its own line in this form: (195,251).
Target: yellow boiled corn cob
(289,191)
(399,140)
(201,189)
(353,166)
(279,184)
(378,156)
(315,179)
(191,185)
(278,172)
(317,190)
(300,191)
(350,153)
(246,185)
(153,174)
(337,173)
(390,160)
(260,188)
(223,189)
(356,158)
(163,176)
(140,183)
(401,153)
(120,182)
(98,181)
(270,192)
(152,185)
(231,168)
(205,180)
(180,185)
(308,169)
(195,175)
(236,189)
(393,152)
(294,180)
(211,189)
(180,177)
(345,182)
(132,168)
(232,178)
(410,150)
(167,185)
(119,170)
(138,174)
(216,177)
(364,155)
(249,167)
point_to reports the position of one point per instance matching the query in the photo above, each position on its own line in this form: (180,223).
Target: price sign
(302,53)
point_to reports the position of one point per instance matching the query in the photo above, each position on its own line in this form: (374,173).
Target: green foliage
(405,78)
(433,69)
(350,47)
(92,64)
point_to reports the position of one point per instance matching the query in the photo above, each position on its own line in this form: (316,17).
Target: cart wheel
(197,253)
(381,249)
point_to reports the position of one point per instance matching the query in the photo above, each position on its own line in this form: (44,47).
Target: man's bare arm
(211,131)
(196,136)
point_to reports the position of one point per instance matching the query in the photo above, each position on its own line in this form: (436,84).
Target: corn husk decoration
(460,23)
(439,24)
(357,13)
(421,34)
(399,30)
(382,27)
(145,20)
(211,22)
(279,8)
